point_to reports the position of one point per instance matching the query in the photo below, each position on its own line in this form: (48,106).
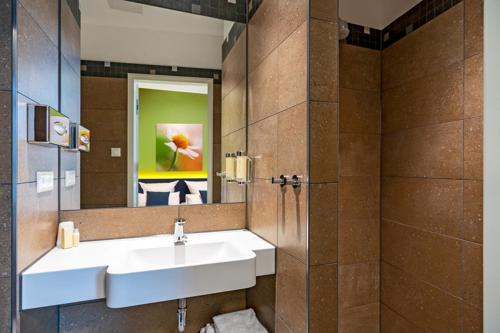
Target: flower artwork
(179,147)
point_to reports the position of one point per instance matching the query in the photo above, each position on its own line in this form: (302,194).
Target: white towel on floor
(244,321)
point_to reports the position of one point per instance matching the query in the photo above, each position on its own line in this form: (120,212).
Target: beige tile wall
(431,274)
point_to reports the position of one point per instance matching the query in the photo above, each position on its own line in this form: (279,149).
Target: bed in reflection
(161,192)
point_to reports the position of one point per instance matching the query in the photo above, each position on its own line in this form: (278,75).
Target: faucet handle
(180,221)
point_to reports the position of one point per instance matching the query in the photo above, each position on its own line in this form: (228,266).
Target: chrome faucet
(179,237)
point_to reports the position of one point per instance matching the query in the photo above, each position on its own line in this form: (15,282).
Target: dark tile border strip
(231,39)
(410,21)
(221,9)
(74,5)
(121,70)
(253,5)
(413,19)
(358,37)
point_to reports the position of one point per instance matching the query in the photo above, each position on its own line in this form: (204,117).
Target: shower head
(343,29)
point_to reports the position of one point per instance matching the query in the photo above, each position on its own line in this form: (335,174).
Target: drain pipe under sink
(181,314)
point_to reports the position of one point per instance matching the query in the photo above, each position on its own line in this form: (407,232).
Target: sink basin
(157,274)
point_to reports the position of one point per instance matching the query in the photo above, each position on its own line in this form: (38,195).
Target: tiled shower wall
(5,163)
(431,270)
(45,44)
(277,140)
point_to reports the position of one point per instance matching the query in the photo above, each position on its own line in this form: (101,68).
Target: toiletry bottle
(67,238)
(76,237)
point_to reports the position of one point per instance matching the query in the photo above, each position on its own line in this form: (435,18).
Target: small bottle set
(67,235)
(238,167)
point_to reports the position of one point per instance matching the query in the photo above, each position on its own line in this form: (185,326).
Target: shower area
(385,234)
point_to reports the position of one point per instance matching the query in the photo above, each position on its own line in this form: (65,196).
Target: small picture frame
(83,139)
(47,126)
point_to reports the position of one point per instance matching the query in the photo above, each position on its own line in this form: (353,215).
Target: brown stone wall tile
(106,124)
(473,27)
(359,155)
(233,115)
(5,283)
(433,205)
(363,318)
(427,50)
(473,273)
(263,209)
(37,61)
(263,33)
(323,300)
(433,258)
(359,68)
(473,87)
(233,142)
(263,147)
(5,137)
(292,221)
(234,66)
(423,305)
(391,322)
(291,285)
(359,284)
(292,13)
(262,298)
(473,148)
(360,111)
(6,47)
(281,326)
(473,211)
(359,240)
(473,319)
(263,89)
(36,223)
(359,198)
(416,103)
(323,217)
(222,217)
(100,161)
(110,223)
(324,9)
(103,190)
(157,317)
(104,93)
(292,69)
(323,142)
(432,151)
(323,50)
(5,230)
(292,141)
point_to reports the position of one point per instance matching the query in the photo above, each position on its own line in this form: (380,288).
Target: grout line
(430,232)
(400,315)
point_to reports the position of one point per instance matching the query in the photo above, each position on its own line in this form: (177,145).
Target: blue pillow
(203,195)
(157,198)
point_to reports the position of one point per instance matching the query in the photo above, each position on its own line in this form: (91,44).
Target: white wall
(144,46)
(491,229)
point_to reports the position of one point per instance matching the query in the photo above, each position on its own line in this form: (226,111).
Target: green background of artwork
(158,107)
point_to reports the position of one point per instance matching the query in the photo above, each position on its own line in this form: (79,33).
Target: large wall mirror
(163,93)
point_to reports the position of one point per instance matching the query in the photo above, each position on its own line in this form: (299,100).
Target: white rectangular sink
(151,269)
(171,272)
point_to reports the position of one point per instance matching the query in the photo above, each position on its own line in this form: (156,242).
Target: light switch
(44,181)
(69,178)
(116,152)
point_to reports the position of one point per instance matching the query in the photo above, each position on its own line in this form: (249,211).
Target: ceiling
(122,31)
(376,14)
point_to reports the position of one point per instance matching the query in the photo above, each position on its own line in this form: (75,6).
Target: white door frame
(132,130)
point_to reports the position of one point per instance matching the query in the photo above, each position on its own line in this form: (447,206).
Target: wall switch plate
(44,181)
(69,178)
(116,152)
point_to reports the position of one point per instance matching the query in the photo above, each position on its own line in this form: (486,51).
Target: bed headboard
(180,187)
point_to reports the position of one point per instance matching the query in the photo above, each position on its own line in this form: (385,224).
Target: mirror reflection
(163,93)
